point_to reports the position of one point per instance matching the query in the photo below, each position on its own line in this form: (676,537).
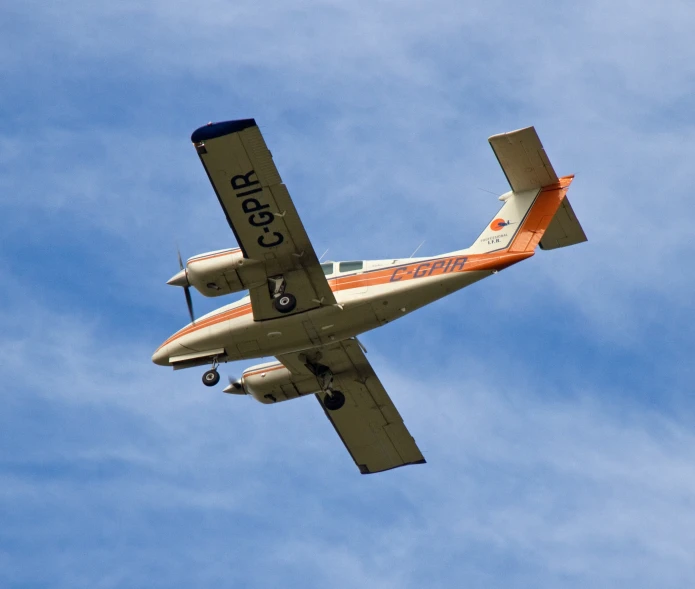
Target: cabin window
(351,266)
(327,268)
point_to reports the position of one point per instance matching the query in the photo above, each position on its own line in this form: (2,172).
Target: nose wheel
(211,378)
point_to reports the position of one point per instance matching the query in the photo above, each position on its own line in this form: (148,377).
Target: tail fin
(536,210)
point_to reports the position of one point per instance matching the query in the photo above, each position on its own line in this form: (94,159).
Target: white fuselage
(380,292)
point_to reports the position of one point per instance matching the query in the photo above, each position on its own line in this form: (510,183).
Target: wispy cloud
(552,402)
(514,476)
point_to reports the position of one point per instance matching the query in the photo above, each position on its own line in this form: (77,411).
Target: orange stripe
(486,261)
(539,217)
(214,320)
(522,247)
(474,262)
(269,369)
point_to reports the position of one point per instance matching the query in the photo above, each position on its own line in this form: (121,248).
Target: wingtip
(213,130)
(364,469)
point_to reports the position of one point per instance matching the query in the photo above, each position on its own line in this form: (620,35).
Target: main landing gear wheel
(285,303)
(334,401)
(211,378)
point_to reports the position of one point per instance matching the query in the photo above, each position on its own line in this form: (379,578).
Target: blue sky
(554,402)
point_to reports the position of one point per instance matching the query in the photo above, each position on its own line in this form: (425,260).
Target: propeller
(181,279)
(234,387)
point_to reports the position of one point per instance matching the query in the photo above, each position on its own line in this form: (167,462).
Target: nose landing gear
(212,377)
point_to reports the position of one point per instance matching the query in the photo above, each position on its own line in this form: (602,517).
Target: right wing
(369,423)
(261,214)
(523,159)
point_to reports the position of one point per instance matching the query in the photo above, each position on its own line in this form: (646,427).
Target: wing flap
(372,429)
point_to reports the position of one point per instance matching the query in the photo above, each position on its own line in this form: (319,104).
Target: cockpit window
(327,268)
(351,266)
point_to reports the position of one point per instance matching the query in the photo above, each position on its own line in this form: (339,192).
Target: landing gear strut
(333,399)
(283,302)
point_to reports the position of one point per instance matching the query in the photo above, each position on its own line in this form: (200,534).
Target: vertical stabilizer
(500,232)
(536,210)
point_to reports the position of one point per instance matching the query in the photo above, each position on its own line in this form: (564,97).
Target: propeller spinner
(181,279)
(234,387)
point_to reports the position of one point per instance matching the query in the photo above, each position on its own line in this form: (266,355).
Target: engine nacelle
(216,273)
(272,383)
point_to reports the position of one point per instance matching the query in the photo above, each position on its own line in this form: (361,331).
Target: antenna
(323,254)
(488,191)
(417,248)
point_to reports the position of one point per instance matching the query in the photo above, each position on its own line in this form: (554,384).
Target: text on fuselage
(244,186)
(433,268)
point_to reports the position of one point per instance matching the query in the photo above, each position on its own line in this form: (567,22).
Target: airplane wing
(262,216)
(369,423)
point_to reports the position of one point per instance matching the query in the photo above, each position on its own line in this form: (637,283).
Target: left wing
(262,216)
(369,423)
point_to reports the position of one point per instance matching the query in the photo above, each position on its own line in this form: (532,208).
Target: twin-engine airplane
(308,314)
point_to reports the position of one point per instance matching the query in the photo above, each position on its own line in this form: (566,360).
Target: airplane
(308,314)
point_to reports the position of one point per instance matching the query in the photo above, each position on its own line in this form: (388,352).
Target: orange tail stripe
(539,217)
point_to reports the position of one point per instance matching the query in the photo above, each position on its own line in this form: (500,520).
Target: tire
(211,378)
(334,402)
(285,303)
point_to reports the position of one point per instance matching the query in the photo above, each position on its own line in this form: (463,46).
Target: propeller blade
(181,279)
(178,251)
(189,303)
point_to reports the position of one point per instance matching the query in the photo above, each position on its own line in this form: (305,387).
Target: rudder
(536,211)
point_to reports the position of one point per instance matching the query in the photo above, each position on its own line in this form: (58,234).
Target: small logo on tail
(499,224)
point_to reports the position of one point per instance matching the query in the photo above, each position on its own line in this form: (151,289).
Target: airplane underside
(307,313)
(233,335)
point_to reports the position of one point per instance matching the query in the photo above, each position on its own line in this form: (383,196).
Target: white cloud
(542,471)
(554,483)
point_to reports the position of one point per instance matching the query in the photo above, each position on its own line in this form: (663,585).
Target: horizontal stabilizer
(563,230)
(523,159)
